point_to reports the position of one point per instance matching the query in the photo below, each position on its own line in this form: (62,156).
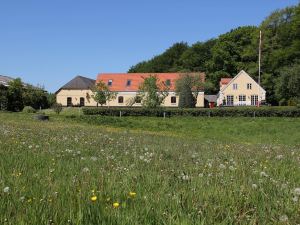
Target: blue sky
(50,42)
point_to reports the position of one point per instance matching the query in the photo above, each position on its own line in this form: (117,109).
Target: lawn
(110,170)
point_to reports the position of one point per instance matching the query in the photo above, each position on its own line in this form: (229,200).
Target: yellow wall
(167,102)
(242,79)
(62,95)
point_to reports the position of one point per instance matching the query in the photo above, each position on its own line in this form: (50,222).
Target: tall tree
(188,88)
(102,93)
(3,97)
(153,92)
(15,95)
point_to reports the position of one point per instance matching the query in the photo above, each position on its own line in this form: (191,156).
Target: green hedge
(220,112)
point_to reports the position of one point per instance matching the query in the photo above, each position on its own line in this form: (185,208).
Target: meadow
(78,169)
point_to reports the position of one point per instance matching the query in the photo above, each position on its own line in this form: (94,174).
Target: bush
(57,108)
(29,109)
(219,112)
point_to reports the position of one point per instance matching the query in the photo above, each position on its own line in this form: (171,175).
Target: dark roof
(210,98)
(79,83)
(5,80)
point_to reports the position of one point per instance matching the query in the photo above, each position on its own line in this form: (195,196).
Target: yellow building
(76,92)
(240,91)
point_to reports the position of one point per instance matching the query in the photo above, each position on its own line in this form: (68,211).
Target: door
(254,99)
(229,100)
(69,101)
(81,101)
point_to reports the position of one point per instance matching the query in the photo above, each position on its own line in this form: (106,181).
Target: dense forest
(231,52)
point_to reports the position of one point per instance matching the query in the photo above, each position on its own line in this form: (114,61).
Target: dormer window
(128,83)
(235,86)
(168,82)
(109,83)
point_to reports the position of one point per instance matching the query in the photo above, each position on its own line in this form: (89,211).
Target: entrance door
(229,100)
(254,99)
(81,101)
(69,101)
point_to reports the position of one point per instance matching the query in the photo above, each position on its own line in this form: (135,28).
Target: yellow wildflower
(116,205)
(93,198)
(132,194)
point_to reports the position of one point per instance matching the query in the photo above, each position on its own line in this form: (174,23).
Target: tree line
(17,95)
(231,52)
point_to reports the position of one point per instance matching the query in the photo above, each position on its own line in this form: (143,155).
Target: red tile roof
(225,81)
(119,80)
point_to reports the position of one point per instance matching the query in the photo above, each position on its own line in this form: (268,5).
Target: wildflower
(94,158)
(94,198)
(6,189)
(231,168)
(116,205)
(132,194)
(263,174)
(297,191)
(85,170)
(295,199)
(283,218)
(222,166)
(254,186)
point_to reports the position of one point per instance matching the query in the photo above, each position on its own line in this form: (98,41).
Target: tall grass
(50,171)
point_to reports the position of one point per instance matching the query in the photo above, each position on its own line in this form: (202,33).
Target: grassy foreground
(149,170)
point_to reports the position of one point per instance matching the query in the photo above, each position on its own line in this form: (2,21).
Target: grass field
(105,170)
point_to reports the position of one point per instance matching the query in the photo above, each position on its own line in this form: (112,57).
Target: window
(138,99)
(242,99)
(109,83)
(254,99)
(168,82)
(249,86)
(69,101)
(229,100)
(235,86)
(128,83)
(173,99)
(120,99)
(81,101)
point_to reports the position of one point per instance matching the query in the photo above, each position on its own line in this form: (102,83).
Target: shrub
(29,109)
(57,108)
(219,112)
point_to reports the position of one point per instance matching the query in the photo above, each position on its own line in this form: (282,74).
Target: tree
(15,95)
(3,97)
(102,94)
(188,88)
(57,107)
(152,92)
(288,84)
(35,97)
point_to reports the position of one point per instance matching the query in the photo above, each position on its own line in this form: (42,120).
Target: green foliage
(35,97)
(29,109)
(288,84)
(206,112)
(188,87)
(57,108)
(169,61)
(152,92)
(15,95)
(3,97)
(51,98)
(102,94)
(237,50)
